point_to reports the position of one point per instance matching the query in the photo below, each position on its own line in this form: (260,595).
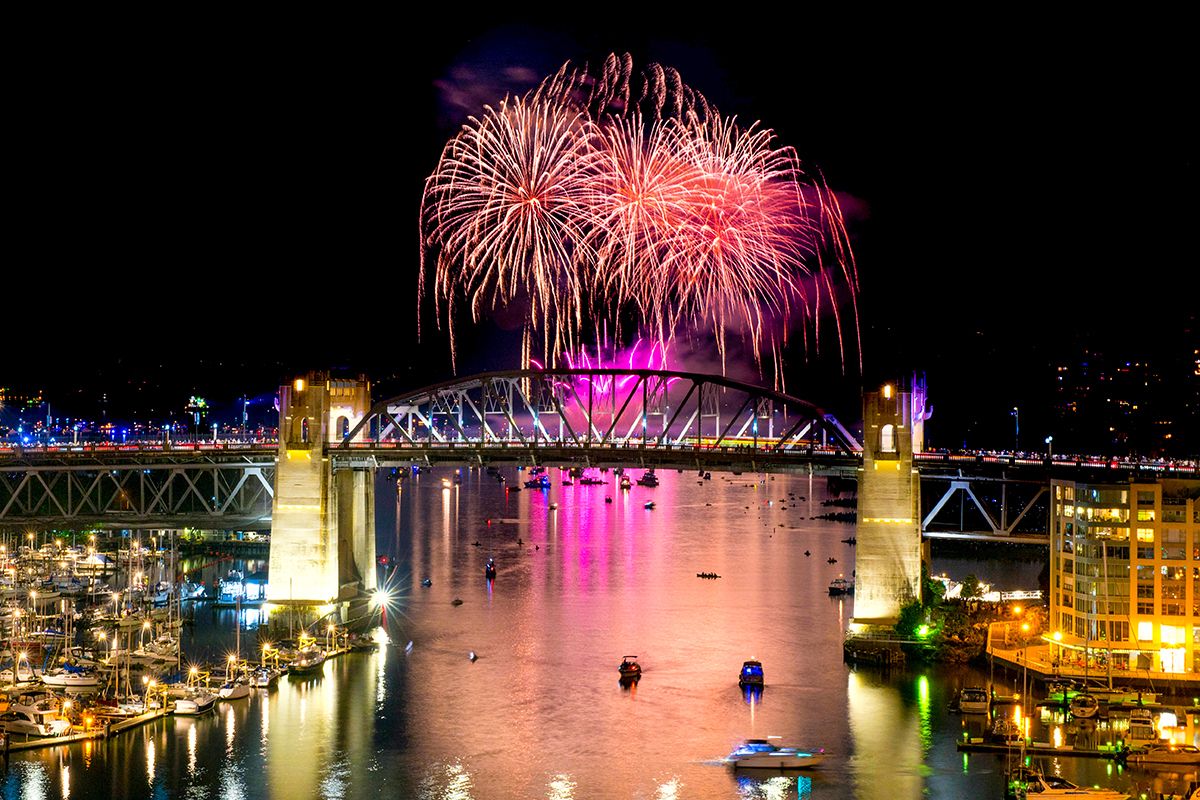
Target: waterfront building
(1125,575)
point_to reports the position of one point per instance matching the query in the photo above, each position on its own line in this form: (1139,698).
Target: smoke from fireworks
(596,196)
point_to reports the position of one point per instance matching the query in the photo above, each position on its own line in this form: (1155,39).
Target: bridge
(314,487)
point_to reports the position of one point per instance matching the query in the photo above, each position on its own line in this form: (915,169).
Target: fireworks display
(596,199)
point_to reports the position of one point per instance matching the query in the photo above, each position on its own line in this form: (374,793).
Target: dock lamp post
(1016,415)
(331,630)
(1050,449)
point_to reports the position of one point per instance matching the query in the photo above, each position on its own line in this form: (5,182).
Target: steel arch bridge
(598,416)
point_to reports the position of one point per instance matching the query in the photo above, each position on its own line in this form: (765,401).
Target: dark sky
(1019,190)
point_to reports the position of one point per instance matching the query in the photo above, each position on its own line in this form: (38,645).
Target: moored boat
(1166,754)
(1084,706)
(973,700)
(1024,781)
(196,701)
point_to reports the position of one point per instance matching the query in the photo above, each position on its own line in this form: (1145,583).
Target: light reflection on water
(541,714)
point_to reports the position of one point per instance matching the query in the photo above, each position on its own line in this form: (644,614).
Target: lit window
(887,439)
(1145,631)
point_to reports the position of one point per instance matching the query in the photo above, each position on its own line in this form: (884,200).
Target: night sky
(1015,194)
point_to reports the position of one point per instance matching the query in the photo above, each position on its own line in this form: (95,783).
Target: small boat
(626,483)
(264,677)
(308,660)
(233,690)
(973,700)
(71,677)
(195,702)
(541,482)
(1142,732)
(751,674)
(629,668)
(761,754)
(489,569)
(1166,754)
(649,506)
(648,479)
(1024,781)
(840,586)
(362,642)
(1084,706)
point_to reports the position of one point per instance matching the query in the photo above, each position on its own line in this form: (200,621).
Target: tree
(970,587)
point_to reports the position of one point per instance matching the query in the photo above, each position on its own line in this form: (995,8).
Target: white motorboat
(233,690)
(973,700)
(308,660)
(1033,782)
(69,677)
(197,701)
(1142,731)
(1166,754)
(761,754)
(1084,706)
(264,677)
(38,711)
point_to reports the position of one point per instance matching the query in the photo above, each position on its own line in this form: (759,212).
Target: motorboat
(540,482)
(761,754)
(973,700)
(72,677)
(308,660)
(18,722)
(264,677)
(1005,730)
(629,668)
(1166,754)
(489,569)
(751,674)
(839,586)
(195,702)
(649,506)
(233,690)
(1084,706)
(626,483)
(648,479)
(1142,731)
(1024,781)
(362,642)
(36,713)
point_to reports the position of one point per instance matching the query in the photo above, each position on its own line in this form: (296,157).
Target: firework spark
(592,197)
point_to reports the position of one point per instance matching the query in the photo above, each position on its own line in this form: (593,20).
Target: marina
(458,670)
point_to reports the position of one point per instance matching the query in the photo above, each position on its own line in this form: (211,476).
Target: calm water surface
(540,714)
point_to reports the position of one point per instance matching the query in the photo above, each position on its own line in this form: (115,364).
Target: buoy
(471,655)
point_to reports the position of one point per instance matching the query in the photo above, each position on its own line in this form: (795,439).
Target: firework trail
(597,198)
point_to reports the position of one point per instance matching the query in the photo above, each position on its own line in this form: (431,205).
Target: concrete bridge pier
(323,519)
(888,553)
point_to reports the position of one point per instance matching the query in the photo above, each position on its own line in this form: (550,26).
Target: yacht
(308,660)
(196,701)
(761,754)
(233,690)
(1166,754)
(36,713)
(648,479)
(72,677)
(1032,782)
(973,700)
(264,677)
(1141,731)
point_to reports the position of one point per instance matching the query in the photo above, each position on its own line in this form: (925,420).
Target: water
(540,714)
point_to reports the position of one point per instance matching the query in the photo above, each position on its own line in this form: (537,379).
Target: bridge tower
(888,554)
(323,520)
